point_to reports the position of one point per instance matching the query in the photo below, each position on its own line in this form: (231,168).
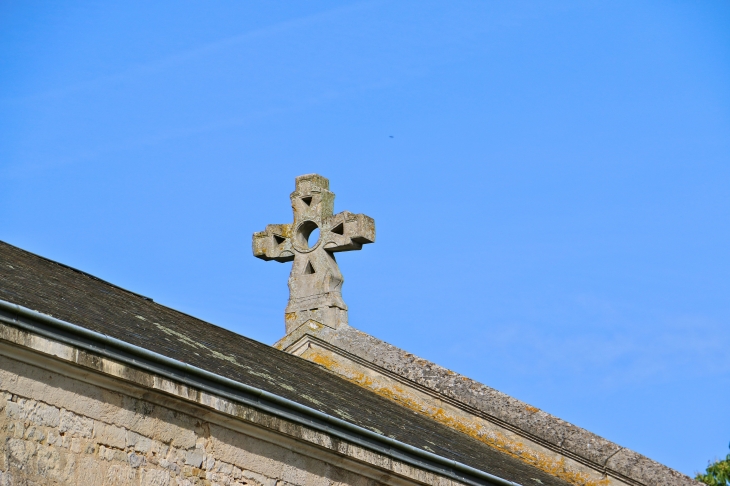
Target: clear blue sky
(550,181)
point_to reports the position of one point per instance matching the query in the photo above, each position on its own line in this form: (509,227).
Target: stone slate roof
(68,294)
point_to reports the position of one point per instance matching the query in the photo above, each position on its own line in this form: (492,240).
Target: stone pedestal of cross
(315,282)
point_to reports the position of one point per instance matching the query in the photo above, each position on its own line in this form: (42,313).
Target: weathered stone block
(119,476)
(136,460)
(6,479)
(32,411)
(35,433)
(44,415)
(194,458)
(111,454)
(16,429)
(110,435)
(75,425)
(154,477)
(14,411)
(139,442)
(93,470)
(53,437)
(49,464)
(20,453)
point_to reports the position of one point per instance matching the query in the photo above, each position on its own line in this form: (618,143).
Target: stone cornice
(545,441)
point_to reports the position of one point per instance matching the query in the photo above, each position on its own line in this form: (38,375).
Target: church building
(103,386)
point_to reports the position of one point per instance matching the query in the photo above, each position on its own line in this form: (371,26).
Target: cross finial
(315,282)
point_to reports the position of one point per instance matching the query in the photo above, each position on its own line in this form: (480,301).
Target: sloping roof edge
(135,356)
(481,400)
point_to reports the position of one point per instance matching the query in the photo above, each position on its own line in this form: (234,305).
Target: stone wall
(45,444)
(62,437)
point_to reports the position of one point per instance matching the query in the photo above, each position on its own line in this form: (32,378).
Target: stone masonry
(49,444)
(134,443)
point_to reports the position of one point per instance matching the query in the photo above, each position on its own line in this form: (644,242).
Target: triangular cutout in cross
(309,269)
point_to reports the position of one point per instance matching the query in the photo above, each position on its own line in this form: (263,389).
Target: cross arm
(274,243)
(349,232)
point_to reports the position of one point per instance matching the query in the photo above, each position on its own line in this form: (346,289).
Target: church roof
(73,296)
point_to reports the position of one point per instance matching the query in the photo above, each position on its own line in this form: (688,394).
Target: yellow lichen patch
(532,409)
(472,426)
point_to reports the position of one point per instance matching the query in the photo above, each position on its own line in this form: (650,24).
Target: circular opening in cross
(308,234)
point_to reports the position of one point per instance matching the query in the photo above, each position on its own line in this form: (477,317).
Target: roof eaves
(107,346)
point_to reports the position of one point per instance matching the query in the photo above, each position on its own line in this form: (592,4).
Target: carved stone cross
(315,282)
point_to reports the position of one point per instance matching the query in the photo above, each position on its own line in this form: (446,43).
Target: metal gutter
(147,360)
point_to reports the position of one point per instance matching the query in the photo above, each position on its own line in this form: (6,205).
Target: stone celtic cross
(315,282)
